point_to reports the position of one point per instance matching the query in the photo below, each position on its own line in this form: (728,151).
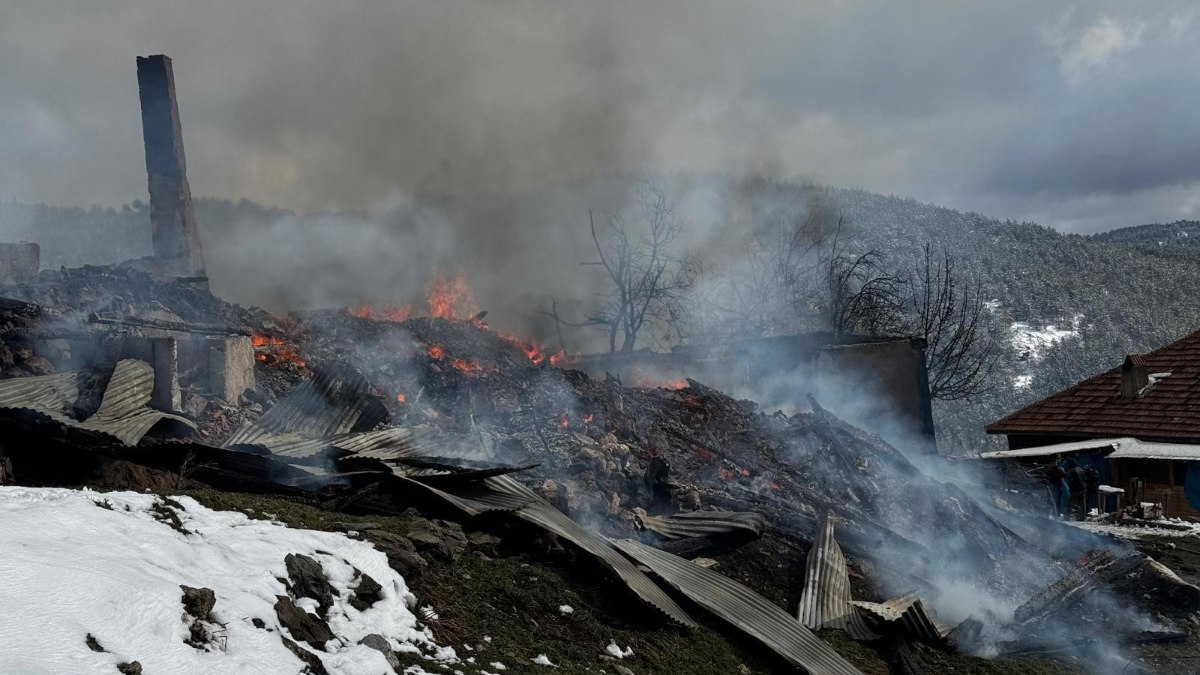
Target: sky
(1080,116)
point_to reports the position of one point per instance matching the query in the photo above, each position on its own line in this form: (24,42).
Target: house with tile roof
(1139,423)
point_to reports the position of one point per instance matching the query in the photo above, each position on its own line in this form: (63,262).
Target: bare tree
(859,296)
(647,277)
(959,354)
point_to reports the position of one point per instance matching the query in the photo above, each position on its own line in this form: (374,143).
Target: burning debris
(381,411)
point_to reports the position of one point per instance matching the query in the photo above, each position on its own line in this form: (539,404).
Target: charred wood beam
(178,326)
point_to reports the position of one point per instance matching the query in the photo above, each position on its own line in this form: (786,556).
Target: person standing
(1054,476)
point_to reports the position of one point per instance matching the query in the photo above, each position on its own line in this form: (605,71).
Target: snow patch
(1032,343)
(566,609)
(615,649)
(70,568)
(543,660)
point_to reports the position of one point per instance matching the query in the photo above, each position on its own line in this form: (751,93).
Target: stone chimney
(1134,377)
(172,220)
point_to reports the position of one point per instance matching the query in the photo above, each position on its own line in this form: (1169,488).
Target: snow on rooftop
(78,562)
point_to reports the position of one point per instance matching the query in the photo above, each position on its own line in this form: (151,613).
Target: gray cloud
(1017,109)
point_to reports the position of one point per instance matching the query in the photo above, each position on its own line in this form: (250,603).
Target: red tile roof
(1169,409)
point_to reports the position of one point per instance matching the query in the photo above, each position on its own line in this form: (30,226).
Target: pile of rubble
(455,416)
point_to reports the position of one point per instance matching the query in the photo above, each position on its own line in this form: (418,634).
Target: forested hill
(1064,306)
(1178,233)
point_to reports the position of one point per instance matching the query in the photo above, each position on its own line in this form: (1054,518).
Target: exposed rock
(310,659)
(38,365)
(307,580)
(198,602)
(92,643)
(439,538)
(366,593)
(119,474)
(130,668)
(355,527)
(302,625)
(484,541)
(380,644)
(401,553)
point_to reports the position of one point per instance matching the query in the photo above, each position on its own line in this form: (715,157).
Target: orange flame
(465,367)
(272,351)
(564,421)
(587,419)
(450,297)
(401,398)
(436,352)
(744,472)
(397,314)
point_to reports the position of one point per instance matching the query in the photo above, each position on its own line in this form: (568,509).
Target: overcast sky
(1079,116)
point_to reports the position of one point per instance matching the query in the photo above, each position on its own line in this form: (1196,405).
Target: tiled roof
(1168,409)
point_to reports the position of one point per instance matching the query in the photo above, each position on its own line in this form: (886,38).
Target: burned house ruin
(676,479)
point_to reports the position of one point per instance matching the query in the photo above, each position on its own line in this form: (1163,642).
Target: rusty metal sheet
(825,602)
(704,523)
(743,608)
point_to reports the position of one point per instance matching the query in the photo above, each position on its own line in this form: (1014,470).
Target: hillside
(1185,233)
(1062,306)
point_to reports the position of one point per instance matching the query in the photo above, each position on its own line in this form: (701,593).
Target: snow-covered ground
(74,563)
(1137,531)
(1033,343)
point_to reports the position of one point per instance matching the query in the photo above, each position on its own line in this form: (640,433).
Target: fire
(436,352)
(745,472)
(401,398)
(558,357)
(397,313)
(726,475)
(772,485)
(264,341)
(587,419)
(564,421)
(676,385)
(450,297)
(389,313)
(465,367)
(704,454)
(272,351)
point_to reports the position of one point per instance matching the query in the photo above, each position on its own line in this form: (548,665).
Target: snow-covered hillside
(75,564)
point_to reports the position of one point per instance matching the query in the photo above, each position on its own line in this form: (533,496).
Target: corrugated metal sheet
(123,413)
(704,523)
(744,608)
(319,415)
(542,514)
(50,395)
(1102,444)
(1134,449)
(378,444)
(908,614)
(470,499)
(825,602)
(332,403)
